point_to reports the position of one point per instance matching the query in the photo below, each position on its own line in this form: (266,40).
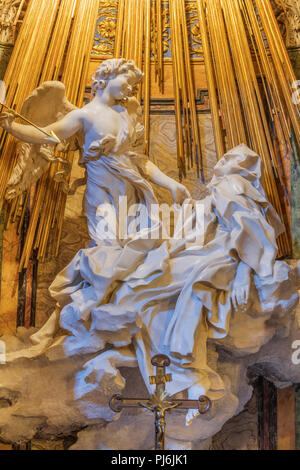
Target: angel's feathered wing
(46,105)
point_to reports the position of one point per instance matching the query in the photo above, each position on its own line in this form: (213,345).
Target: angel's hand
(102,147)
(179,193)
(6,120)
(107,144)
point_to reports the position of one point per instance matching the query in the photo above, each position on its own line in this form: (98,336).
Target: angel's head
(118,76)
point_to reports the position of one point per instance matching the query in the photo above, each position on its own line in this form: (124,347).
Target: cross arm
(118,403)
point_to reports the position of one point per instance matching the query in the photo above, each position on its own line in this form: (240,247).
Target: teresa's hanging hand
(241,286)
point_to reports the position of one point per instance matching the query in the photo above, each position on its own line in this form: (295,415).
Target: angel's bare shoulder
(66,126)
(77,113)
(76,117)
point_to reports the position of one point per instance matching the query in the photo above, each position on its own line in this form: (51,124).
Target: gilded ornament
(106,29)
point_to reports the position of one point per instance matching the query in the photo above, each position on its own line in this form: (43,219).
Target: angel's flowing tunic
(160,296)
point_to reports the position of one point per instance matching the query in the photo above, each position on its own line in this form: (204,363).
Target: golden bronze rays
(250,87)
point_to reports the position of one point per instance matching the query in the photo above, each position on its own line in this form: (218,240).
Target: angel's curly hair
(110,68)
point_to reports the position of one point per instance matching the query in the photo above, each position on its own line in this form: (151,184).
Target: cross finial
(161,378)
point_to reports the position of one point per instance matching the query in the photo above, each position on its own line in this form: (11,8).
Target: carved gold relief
(8,14)
(287,13)
(165,30)
(107,22)
(106,28)
(194,30)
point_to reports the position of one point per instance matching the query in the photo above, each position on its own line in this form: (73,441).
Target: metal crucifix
(159,403)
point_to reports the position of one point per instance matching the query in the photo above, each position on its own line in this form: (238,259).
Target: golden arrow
(51,137)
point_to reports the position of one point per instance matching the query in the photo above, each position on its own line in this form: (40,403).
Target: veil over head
(240,173)
(242,161)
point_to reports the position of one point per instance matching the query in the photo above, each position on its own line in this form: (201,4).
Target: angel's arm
(151,171)
(178,191)
(64,128)
(157,176)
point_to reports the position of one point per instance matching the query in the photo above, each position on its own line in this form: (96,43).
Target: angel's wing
(46,105)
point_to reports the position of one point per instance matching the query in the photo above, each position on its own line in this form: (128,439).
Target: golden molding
(106,30)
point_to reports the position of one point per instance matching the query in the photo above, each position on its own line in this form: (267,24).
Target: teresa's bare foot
(194,393)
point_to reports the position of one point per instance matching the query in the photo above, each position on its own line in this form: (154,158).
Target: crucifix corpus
(159,403)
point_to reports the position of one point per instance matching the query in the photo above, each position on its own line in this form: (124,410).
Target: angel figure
(128,297)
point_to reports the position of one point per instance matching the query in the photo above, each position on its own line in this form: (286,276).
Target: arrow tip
(53,138)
